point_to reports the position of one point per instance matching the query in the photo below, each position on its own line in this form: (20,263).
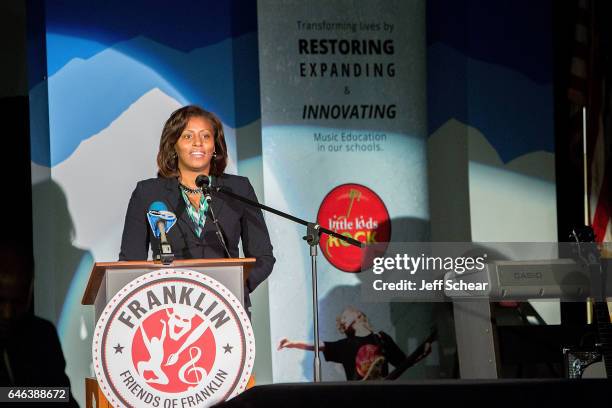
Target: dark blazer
(236,219)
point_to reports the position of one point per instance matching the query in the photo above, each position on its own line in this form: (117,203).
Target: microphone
(161,221)
(203,181)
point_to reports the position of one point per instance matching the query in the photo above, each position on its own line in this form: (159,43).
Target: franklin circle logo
(355,211)
(175,339)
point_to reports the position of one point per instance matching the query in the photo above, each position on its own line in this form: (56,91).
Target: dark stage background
(550,22)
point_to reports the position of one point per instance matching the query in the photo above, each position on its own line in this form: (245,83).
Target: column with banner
(344,142)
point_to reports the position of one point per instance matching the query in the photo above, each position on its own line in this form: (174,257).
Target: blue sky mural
(161,21)
(490,66)
(101,62)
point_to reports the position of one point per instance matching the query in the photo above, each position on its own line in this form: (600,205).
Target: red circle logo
(354,211)
(164,333)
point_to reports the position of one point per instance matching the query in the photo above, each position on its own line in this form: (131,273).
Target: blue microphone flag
(158,211)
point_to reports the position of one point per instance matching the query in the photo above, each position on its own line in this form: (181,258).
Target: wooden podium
(108,278)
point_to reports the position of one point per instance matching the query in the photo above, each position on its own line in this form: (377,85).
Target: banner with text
(344,126)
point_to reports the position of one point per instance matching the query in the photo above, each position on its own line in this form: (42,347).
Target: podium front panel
(116,279)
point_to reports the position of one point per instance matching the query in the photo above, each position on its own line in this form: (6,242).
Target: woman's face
(195,146)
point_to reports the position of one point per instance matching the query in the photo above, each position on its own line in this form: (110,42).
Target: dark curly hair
(167,160)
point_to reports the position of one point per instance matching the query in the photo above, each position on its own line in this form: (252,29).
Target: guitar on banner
(375,365)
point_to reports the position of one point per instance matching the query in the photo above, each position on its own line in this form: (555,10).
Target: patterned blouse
(197,216)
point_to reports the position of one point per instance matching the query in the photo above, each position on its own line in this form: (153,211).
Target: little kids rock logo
(173,339)
(355,211)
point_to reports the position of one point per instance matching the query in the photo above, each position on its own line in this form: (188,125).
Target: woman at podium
(193,144)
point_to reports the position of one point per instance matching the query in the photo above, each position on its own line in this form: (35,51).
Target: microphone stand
(165,251)
(313,235)
(208,198)
(166,256)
